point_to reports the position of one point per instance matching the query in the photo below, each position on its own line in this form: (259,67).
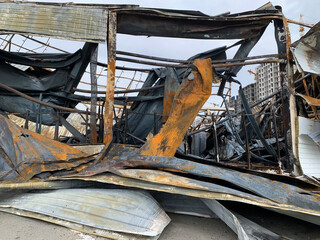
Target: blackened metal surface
(54,86)
(41,60)
(155,22)
(254,124)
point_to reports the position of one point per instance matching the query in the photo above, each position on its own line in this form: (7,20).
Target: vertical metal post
(108,114)
(215,137)
(94,95)
(101,123)
(117,125)
(247,141)
(56,129)
(39,116)
(125,121)
(26,123)
(277,140)
(87,123)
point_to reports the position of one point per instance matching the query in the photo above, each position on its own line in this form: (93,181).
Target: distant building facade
(250,92)
(268,79)
(267,82)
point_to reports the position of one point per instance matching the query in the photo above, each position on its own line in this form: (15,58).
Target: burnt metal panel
(24,153)
(60,21)
(153,22)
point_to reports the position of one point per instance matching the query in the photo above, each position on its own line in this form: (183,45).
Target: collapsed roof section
(90,23)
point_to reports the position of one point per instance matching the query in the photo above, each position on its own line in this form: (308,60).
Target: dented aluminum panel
(114,211)
(306,51)
(60,21)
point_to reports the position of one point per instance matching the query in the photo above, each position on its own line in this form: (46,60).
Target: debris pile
(138,151)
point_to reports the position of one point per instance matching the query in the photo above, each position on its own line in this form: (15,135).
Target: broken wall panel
(23,153)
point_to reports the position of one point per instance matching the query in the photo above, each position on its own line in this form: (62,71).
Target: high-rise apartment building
(267,82)
(268,79)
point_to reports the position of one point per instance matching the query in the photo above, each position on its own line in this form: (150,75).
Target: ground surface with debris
(181,227)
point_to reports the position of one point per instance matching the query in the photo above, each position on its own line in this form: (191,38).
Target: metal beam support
(108,113)
(94,95)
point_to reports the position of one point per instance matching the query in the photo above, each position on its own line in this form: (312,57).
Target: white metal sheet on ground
(122,211)
(308,146)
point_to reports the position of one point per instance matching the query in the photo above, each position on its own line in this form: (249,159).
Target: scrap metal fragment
(243,227)
(23,153)
(191,96)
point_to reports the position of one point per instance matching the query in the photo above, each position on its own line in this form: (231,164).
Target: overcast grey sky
(184,48)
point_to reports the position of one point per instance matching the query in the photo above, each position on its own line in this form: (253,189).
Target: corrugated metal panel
(123,211)
(308,146)
(66,22)
(292,210)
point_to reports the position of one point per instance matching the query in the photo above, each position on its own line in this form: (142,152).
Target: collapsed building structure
(149,140)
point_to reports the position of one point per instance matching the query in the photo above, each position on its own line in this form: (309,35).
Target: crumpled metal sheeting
(310,216)
(162,177)
(191,24)
(273,190)
(306,51)
(243,227)
(123,211)
(25,153)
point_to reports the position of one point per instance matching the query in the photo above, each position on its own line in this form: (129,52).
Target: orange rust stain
(167,104)
(316,199)
(187,102)
(34,149)
(187,167)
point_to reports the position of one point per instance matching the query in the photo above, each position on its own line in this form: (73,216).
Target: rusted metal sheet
(306,215)
(113,211)
(276,191)
(310,100)
(108,113)
(60,21)
(191,95)
(23,153)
